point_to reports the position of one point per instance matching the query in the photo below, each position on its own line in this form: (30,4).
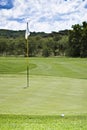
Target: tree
(63,45)
(3,46)
(74,41)
(77,46)
(83,48)
(46,52)
(32,47)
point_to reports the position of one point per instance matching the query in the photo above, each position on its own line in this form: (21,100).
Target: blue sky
(44,15)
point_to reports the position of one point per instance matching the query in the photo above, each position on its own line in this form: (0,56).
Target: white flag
(27,32)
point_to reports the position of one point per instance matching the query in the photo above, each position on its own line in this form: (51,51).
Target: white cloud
(52,15)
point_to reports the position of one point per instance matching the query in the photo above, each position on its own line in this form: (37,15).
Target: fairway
(56,86)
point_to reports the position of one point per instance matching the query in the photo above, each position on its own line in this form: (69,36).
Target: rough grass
(23,122)
(57,85)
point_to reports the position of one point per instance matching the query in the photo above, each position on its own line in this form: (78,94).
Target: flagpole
(27,63)
(27,49)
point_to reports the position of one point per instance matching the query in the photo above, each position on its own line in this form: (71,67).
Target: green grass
(13,65)
(60,67)
(23,122)
(57,85)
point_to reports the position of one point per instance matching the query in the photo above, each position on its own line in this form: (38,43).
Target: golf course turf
(56,86)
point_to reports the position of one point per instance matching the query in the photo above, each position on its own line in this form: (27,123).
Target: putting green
(45,95)
(57,85)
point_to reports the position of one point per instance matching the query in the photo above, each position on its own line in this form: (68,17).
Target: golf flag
(27,32)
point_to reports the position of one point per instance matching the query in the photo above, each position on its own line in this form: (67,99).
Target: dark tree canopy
(77,46)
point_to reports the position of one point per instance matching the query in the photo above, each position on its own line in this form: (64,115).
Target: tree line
(63,43)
